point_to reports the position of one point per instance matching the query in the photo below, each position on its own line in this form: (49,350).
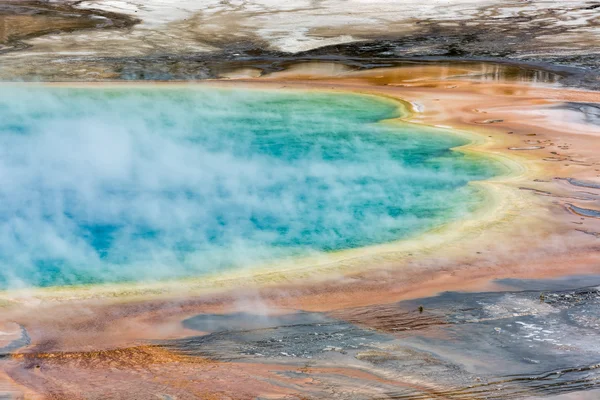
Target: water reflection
(414,72)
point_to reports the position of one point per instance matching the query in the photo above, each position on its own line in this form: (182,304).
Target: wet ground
(537,340)
(530,339)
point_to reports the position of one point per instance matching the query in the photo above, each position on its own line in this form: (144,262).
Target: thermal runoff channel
(145,183)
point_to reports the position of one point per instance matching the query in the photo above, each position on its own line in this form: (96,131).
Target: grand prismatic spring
(299,200)
(138,184)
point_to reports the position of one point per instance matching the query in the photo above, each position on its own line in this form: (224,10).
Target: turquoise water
(107,185)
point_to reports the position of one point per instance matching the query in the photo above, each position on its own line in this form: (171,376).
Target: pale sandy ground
(300,25)
(196,28)
(525,230)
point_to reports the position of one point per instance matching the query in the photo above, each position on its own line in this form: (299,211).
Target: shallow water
(106,185)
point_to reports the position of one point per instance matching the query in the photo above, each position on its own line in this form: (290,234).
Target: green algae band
(109,185)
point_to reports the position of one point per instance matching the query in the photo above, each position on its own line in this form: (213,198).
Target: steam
(110,185)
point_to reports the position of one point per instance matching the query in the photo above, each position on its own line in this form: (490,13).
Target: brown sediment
(149,371)
(22,20)
(525,230)
(389,318)
(121,357)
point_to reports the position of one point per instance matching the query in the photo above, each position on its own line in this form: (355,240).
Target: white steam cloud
(104,185)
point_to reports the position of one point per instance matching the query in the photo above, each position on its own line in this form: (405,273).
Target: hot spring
(147,183)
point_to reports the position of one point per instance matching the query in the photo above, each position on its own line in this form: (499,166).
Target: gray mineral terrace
(497,345)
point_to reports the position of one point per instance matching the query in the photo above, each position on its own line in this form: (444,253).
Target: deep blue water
(105,185)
